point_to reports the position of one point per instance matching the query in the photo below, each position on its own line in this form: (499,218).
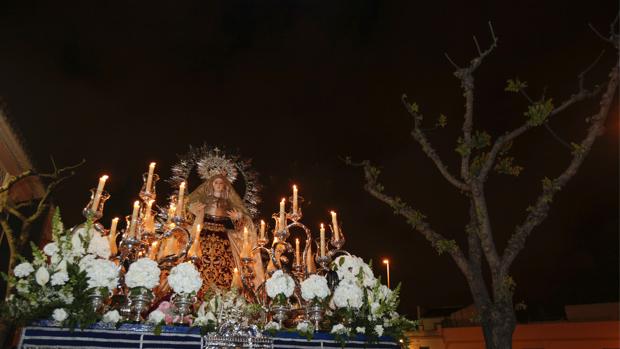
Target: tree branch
(550,187)
(413,217)
(420,137)
(466,76)
(501,141)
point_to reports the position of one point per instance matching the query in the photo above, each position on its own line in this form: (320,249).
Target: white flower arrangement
(111,317)
(23,269)
(352,267)
(348,295)
(99,246)
(314,287)
(360,330)
(102,273)
(280,283)
(59,314)
(185,279)
(143,273)
(305,328)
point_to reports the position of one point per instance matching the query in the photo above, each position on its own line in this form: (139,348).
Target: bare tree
(479,156)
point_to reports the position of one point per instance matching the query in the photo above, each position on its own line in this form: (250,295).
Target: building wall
(557,335)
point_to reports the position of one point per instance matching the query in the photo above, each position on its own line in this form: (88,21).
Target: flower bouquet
(279,288)
(142,277)
(185,281)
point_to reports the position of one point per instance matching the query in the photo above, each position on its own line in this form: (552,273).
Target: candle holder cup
(147,194)
(95,213)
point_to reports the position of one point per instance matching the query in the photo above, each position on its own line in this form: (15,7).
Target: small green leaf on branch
(577,149)
(538,112)
(442,121)
(505,166)
(442,246)
(515,85)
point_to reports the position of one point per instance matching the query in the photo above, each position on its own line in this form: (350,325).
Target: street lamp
(387,264)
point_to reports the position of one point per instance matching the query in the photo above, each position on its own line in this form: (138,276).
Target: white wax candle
(322,240)
(297,253)
(245,249)
(134,218)
(262,229)
(112,236)
(295,204)
(180,200)
(335,226)
(282,216)
(149,178)
(98,192)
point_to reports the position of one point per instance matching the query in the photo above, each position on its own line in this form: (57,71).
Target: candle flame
(152,164)
(386,261)
(136,204)
(104,177)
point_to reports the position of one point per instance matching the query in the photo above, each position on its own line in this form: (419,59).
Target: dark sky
(296,84)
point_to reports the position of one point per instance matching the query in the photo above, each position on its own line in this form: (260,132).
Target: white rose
(42,276)
(59,315)
(99,246)
(60,278)
(111,317)
(156,316)
(51,249)
(23,269)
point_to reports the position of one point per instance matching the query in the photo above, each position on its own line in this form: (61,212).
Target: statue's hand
(234,214)
(196,208)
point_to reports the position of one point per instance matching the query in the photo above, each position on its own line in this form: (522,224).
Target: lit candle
(97,197)
(134,218)
(282,216)
(295,204)
(171,210)
(245,250)
(179,210)
(112,237)
(335,226)
(322,240)
(153,251)
(297,254)
(195,249)
(149,179)
(148,218)
(262,229)
(236,281)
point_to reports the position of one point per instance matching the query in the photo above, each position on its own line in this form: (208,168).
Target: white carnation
(60,278)
(51,249)
(23,269)
(280,282)
(112,317)
(305,327)
(156,316)
(313,287)
(272,326)
(143,273)
(101,273)
(348,294)
(184,278)
(59,314)
(99,246)
(379,330)
(42,276)
(340,329)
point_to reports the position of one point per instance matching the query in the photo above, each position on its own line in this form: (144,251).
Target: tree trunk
(499,327)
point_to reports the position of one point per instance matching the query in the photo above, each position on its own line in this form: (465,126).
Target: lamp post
(387,264)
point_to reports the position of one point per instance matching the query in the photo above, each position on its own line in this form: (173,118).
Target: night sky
(297,85)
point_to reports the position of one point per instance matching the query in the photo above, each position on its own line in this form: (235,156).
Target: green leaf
(538,112)
(577,149)
(505,166)
(414,107)
(442,246)
(480,140)
(442,121)
(515,85)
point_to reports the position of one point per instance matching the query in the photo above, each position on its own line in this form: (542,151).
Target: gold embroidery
(217,262)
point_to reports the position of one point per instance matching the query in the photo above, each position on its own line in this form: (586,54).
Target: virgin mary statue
(222,216)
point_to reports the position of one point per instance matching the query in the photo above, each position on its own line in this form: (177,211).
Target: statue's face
(218,185)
